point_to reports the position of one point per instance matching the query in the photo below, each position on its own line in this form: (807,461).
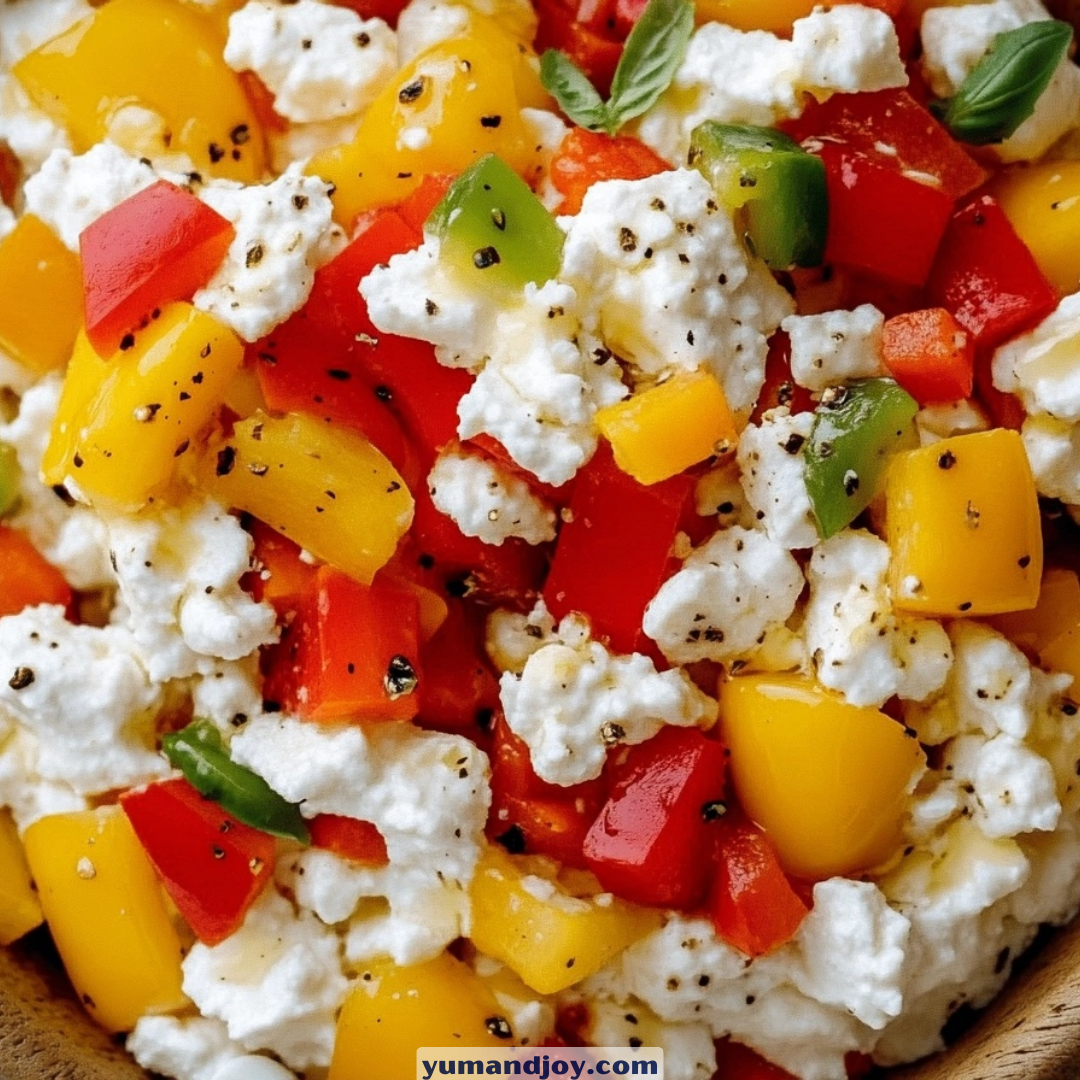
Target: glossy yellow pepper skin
(458,101)
(394,1010)
(323,485)
(156,55)
(41,296)
(773,15)
(20,908)
(125,423)
(107,915)
(962,518)
(550,941)
(826,780)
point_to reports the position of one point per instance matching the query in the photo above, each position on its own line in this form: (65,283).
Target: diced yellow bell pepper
(395,1010)
(666,429)
(1057,612)
(508,36)
(826,780)
(41,296)
(1042,202)
(20,908)
(962,517)
(527,918)
(158,56)
(125,423)
(773,15)
(107,915)
(452,105)
(323,485)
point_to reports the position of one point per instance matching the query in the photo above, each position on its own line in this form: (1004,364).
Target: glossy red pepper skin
(596,54)
(652,842)
(359,841)
(780,387)
(281,577)
(930,355)
(212,865)
(585,158)
(158,246)
(26,577)
(735,1061)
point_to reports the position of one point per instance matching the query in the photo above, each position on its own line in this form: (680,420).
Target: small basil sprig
(652,53)
(1001,91)
(199,752)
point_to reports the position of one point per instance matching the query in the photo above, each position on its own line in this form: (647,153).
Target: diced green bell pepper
(856,430)
(9,478)
(494,230)
(778,188)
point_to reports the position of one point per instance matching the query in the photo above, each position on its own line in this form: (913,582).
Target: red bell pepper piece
(780,387)
(352,651)
(613,19)
(212,865)
(158,246)
(986,276)
(26,578)
(585,158)
(652,841)
(10,174)
(387,10)
(930,355)
(615,548)
(735,1061)
(752,904)
(359,841)
(262,102)
(281,576)
(595,54)
(417,208)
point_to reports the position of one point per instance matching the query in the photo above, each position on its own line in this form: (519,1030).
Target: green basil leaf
(652,55)
(199,752)
(570,87)
(1001,91)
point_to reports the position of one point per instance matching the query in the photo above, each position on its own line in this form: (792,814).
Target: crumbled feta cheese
(688,1048)
(276,983)
(487,501)
(31,133)
(228,692)
(860,647)
(545,132)
(28,24)
(729,593)
(186,1048)
(23,789)
(284,232)
(253,1067)
(847,49)
(84,693)
(299,142)
(179,571)
(532,1017)
(426,23)
(512,637)
(832,348)
(667,284)
(320,61)
(574,700)
(942,421)
(773,473)
(1053,448)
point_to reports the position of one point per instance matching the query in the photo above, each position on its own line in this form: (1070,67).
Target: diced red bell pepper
(26,578)
(387,10)
(10,174)
(736,1061)
(615,548)
(752,904)
(262,102)
(986,276)
(652,841)
(596,55)
(352,651)
(610,18)
(212,865)
(930,355)
(350,838)
(417,208)
(780,387)
(585,158)
(281,576)
(158,246)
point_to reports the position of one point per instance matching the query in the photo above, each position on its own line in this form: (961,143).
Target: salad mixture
(538,523)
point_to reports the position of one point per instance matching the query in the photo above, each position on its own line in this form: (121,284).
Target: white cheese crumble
(574,699)
(836,346)
(320,61)
(488,501)
(28,794)
(729,593)
(424,24)
(688,1048)
(186,1048)
(512,637)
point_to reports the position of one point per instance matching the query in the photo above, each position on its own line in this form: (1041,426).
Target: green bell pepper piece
(199,752)
(856,430)
(9,478)
(494,230)
(772,183)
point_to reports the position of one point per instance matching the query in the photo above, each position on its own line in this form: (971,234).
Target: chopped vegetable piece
(280,575)
(856,431)
(199,752)
(211,864)
(734,1061)
(779,187)
(9,478)
(158,246)
(494,230)
(359,841)
(1056,613)
(20,908)
(585,158)
(930,355)
(773,15)
(962,519)
(594,53)
(26,578)
(791,741)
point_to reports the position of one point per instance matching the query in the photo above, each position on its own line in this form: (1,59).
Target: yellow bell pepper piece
(20,908)
(323,485)
(1042,202)
(1063,654)
(507,35)
(394,1010)
(773,15)
(668,428)
(826,780)
(158,56)
(107,915)
(1057,612)
(41,296)
(962,517)
(125,423)
(527,918)
(451,105)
